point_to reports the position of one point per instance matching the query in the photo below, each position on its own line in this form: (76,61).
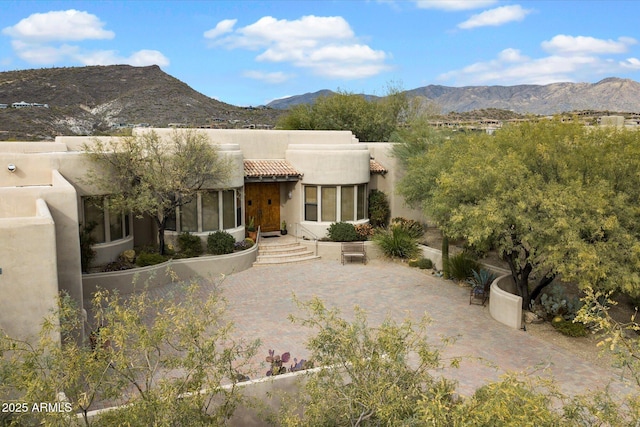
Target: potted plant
(251,228)
(283,227)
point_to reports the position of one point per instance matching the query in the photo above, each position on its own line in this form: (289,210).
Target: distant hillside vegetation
(95,100)
(611,94)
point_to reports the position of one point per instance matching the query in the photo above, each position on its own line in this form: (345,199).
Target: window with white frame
(106,225)
(209,210)
(331,203)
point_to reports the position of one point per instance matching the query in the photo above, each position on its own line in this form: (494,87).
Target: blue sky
(251,52)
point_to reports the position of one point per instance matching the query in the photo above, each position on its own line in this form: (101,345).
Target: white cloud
(570,45)
(65,25)
(276,77)
(631,64)
(317,43)
(223,27)
(454,5)
(495,17)
(42,39)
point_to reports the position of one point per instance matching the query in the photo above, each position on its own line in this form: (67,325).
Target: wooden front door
(262,201)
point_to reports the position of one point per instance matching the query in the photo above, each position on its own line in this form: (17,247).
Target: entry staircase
(282,250)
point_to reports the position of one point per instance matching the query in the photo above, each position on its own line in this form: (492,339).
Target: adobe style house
(309,179)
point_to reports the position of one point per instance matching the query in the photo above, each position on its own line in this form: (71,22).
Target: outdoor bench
(353,250)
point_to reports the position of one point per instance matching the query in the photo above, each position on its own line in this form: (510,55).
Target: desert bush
(243,244)
(379,211)
(569,328)
(149,258)
(462,266)
(190,245)
(396,242)
(421,263)
(414,228)
(87,254)
(342,232)
(220,243)
(364,231)
(481,278)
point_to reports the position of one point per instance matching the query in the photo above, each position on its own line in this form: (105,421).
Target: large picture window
(210,210)
(336,203)
(106,224)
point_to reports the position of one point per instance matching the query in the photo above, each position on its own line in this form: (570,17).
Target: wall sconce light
(290,195)
(11,167)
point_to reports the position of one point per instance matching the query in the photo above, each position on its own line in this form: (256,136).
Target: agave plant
(481,279)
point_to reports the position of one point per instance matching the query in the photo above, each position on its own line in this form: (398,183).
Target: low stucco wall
(209,266)
(504,306)
(333,250)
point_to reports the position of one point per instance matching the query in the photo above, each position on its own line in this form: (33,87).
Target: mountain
(100,99)
(610,94)
(94,100)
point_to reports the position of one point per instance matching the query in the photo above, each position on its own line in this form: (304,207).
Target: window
(328,202)
(346,204)
(210,211)
(108,225)
(310,203)
(189,216)
(337,203)
(362,202)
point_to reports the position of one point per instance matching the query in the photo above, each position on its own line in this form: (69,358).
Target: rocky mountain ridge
(610,94)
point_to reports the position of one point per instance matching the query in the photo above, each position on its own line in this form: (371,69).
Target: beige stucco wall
(29,279)
(387,183)
(504,306)
(267,144)
(61,199)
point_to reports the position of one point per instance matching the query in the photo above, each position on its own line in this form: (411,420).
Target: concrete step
(282,252)
(273,260)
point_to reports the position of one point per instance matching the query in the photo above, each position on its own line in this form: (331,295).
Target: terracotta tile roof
(375,167)
(269,169)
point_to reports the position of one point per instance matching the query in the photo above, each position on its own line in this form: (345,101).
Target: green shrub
(481,279)
(342,232)
(149,258)
(414,228)
(190,245)
(395,242)
(421,263)
(462,266)
(220,243)
(569,328)
(379,211)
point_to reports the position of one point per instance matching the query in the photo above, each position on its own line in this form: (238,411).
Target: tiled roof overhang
(375,167)
(270,171)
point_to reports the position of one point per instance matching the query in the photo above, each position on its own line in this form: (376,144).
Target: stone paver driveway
(260,299)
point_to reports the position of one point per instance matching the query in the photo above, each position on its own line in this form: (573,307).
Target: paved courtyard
(260,299)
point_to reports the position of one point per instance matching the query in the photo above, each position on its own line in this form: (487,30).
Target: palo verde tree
(368,375)
(156,361)
(149,175)
(539,195)
(370,120)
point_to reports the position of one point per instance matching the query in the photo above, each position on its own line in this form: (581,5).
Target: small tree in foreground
(153,355)
(369,376)
(148,175)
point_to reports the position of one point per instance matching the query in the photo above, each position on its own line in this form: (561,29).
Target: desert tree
(540,195)
(371,120)
(155,360)
(149,175)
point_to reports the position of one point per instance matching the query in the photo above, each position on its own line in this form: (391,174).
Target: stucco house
(309,179)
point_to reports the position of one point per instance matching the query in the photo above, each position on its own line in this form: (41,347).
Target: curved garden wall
(504,306)
(208,266)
